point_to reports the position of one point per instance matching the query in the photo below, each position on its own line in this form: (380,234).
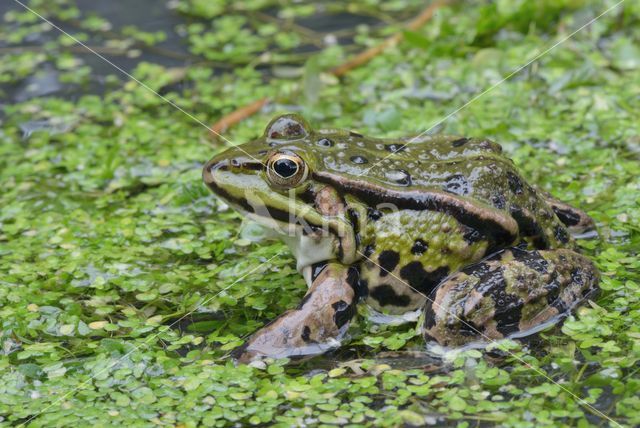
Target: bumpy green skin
(414,220)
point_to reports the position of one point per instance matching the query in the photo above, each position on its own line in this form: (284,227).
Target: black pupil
(285,168)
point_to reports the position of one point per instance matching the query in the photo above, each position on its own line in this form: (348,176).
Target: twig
(369,54)
(238,115)
(360,59)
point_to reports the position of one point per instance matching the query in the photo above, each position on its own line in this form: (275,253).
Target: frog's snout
(226,170)
(212,169)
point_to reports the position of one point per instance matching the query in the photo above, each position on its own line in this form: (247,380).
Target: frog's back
(469,178)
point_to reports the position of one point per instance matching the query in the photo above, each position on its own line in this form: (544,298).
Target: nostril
(218,165)
(212,167)
(235,163)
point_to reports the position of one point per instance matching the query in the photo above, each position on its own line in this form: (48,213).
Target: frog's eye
(286,170)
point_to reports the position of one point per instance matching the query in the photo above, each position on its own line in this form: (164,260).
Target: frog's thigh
(316,325)
(512,293)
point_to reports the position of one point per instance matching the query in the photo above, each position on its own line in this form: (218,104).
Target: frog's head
(271,180)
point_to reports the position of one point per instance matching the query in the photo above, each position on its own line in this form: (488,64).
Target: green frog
(442,225)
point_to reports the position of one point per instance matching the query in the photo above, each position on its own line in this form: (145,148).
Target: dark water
(145,15)
(148,16)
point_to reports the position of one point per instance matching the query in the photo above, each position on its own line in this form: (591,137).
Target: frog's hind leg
(315,326)
(511,294)
(577,221)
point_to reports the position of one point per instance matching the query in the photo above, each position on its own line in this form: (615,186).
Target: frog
(442,227)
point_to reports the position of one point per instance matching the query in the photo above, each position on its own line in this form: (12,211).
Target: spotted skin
(435,247)
(513,292)
(316,325)
(397,223)
(574,220)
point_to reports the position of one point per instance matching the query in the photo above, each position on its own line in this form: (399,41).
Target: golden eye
(286,170)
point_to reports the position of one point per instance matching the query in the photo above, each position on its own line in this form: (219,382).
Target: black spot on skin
(568,217)
(540,242)
(395,148)
(507,307)
(263,152)
(354,219)
(421,280)
(532,259)
(429,314)
(499,201)
(457,184)
(386,296)
(479,269)
(553,292)
(507,321)
(373,214)
(459,142)
(388,260)
(364,288)
(308,196)
(324,142)
(515,183)
(419,247)
(561,234)
(368,250)
(340,252)
(316,269)
(306,334)
(561,307)
(577,276)
(353,279)
(358,159)
(304,300)
(529,227)
(343,313)
(471,236)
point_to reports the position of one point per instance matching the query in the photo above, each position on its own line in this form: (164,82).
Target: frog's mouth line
(272,213)
(298,229)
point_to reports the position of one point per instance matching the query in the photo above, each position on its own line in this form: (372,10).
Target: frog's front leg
(511,294)
(315,326)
